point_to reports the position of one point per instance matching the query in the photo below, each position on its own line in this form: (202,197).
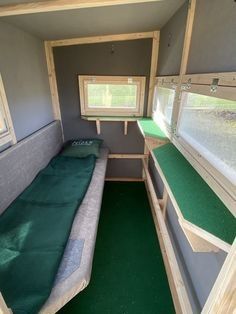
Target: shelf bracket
(98,126)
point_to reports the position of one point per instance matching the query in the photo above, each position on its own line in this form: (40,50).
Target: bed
(74,271)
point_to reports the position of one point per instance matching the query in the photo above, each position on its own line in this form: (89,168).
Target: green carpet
(196,200)
(128,275)
(151,129)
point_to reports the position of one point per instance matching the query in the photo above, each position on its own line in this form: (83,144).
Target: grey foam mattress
(76,265)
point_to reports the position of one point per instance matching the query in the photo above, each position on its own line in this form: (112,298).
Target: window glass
(164,102)
(112,95)
(209,124)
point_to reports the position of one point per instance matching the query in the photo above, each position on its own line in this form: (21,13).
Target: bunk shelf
(99,119)
(206,221)
(152,133)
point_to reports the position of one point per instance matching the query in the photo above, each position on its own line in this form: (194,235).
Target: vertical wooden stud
(153,70)
(98,126)
(125,127)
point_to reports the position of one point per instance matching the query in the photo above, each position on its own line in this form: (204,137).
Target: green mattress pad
(34,232)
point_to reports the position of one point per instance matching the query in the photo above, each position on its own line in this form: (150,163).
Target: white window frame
(226,89)
(139,81)
(9,136)
(169,82)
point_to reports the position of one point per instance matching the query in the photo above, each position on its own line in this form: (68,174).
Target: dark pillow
(82,148)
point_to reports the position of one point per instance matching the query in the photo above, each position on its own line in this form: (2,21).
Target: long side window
(207,123)
(7,134)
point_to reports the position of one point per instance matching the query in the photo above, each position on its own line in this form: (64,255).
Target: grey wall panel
(213,47)
(130,58)
(200,270)
(24,73)
(124,168)
(171,43)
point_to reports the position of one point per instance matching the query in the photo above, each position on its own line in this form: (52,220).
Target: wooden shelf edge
(110,119)
(199,239)
(176,283)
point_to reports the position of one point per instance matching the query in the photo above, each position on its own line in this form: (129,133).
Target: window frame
(9,136)
(169,82)
(226,88)
(139,81)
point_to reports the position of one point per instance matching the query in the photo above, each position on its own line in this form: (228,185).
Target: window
(111,95)
(164,97)
(6,128)
(209,125)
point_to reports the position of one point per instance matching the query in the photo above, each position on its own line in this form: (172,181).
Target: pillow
(82,148)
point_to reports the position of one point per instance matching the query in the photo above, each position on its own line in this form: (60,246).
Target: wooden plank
(225,78)
(98,126)
(184,62)
(222,298)
(125,127)
(153,71)
(121,179)
(100,39)
(202,234)
(52,81)
(109,119)
(61,5)
(177,286)
(3,307)
(127,156)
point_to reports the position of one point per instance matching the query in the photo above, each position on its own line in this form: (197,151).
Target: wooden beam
(121,179)
(61,5)
(153,71)
(125,127)
(184,62)
(177,286)
(100,39)
(98,126)
(222,298)
(127,156)
(52,81)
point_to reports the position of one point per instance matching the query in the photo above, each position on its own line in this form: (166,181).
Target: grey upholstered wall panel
(213,47)
(200,270)
(129,58)
(171,43)
(24,73)
(21,163)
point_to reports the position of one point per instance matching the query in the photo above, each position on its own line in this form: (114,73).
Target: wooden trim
(184,62)
(138,81)
(11,131)
(125,127)
(222,298)
(225,78)
(59,5)
(153,71)
(121,179)
(109,119)
(101,39)
(3,306)
(98,126)
(127,156)
(52,81)
(223,188)
(177,286)
(202,234)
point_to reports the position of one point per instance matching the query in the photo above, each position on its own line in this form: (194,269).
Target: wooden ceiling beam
(60,5)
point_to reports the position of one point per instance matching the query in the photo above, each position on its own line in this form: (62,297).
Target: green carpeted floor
(128,275)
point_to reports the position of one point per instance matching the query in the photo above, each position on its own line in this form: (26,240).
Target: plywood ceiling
(95,21)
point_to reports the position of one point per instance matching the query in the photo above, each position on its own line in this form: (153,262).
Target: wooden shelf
(99,119)
(150,129)
(205,220)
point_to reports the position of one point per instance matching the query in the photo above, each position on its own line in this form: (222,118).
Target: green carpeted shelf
(150,129)
(198,204)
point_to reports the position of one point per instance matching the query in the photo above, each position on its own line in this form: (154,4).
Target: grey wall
(130,58)
(171,43)
(200,270)
(213,47)
(24,73)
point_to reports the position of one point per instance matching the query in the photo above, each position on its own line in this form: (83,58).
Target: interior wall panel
(131,58)
(24,74)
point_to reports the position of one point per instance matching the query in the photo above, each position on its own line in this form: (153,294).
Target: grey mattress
(76,265)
